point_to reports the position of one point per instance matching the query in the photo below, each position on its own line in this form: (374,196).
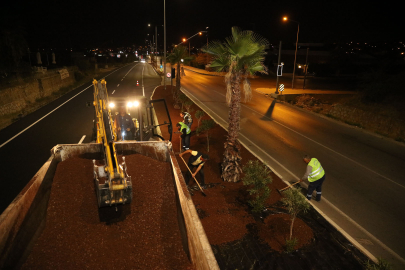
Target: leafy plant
(182,98)
(258,176)
(199,115)
(295,203)
(188,103)
(205,127)
(381,265)
(290,244)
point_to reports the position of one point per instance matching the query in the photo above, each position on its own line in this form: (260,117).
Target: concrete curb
(217,75)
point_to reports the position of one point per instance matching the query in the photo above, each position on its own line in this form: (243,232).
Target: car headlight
(136,103)
(111,105)
(129,104)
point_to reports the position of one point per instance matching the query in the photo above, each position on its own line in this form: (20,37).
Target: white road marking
(113,92)
(118,85)
(357,163)
(21,132)
(81,140)
(376,240)
(122,79)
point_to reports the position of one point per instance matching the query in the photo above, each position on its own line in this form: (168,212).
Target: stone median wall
(15,99)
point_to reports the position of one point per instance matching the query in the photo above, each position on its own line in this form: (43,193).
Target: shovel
(279,190)
(205,195)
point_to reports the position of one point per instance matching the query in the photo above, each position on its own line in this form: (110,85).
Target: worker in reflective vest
(185,135)
(196,160)
(315,175)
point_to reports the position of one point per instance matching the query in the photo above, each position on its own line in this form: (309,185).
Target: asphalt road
(63,121)
(365,179)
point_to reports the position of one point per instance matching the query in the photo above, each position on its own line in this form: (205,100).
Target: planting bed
(141,235)
(243,240)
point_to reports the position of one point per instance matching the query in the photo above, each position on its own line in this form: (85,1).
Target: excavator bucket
(112,190)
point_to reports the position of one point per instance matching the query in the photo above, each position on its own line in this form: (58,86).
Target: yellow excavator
(113,184)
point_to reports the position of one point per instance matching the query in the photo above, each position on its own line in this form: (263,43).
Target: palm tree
(179,55)
(240,55)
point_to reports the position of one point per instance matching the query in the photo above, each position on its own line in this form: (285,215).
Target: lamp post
(164,34)
(296,47)
(155,42)
(186,39)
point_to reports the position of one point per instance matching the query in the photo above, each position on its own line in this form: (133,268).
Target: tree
(13,45)
(241,56)
(205,127)
(295,203)
(258,177)
(182,98)
(188,105)
(178,55)
(199,115)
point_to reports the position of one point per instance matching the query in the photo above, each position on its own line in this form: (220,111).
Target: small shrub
(206,125)
(188,103)
(381,265)
(79,76)
(199,115)
(295,202)
(83,64)
(258,177)
(182,98)
(290,245)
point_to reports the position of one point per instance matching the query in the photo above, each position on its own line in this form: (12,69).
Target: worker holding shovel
(185,135)
(315,175)
(197,160)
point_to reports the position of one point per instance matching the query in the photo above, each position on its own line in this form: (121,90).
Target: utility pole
(295,57)
(278,64)
(164,46)
(156,46)
(306,69)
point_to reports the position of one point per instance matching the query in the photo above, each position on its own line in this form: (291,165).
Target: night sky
(87,24)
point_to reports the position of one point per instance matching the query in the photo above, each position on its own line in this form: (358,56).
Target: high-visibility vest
(317,170)
(182,126)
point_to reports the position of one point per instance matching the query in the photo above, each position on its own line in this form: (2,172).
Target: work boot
(318,196)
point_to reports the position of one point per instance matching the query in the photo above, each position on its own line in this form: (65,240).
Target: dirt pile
(142,235)
(276,229)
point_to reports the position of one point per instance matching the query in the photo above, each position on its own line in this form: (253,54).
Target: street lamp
(184,40)
(296,47)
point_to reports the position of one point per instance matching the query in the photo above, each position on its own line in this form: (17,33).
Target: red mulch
(142,235)
(224,211)
(276,229)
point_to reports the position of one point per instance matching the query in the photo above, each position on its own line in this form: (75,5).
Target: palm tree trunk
(231,164)
(178,78)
